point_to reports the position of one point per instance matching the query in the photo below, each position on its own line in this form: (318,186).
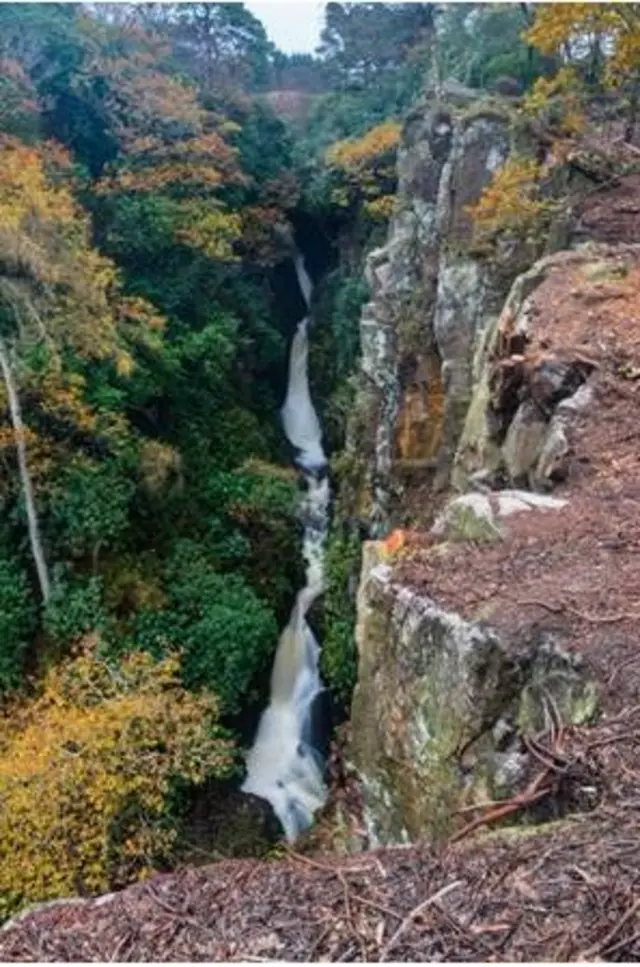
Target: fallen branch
(591,618)
(416,913)
(510,806)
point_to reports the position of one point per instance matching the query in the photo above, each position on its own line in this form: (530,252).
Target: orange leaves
(366,170)
(394,543)
(99,746)
(356,154)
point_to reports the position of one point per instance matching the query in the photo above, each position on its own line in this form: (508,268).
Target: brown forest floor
(567,890)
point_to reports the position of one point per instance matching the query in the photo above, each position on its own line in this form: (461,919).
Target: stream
(285,765)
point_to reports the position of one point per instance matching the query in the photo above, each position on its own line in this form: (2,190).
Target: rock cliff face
(430,302)
(487,629)
(460,647)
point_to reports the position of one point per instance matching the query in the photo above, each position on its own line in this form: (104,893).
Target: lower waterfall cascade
(283,766)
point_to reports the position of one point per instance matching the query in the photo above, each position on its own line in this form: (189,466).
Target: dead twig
(612,739)
(415,913)
(591,618)
(602,945)
(511,806)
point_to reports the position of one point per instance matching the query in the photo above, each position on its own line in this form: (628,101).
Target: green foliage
(17,622)
(480,43)
(75,609)
(226,633)
(338,656)
(89,510)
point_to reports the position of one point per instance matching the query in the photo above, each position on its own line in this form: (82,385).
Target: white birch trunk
(25,479)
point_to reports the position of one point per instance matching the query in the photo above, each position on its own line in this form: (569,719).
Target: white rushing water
(282,766)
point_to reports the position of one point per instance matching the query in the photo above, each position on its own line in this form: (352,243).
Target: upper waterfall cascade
(283,767)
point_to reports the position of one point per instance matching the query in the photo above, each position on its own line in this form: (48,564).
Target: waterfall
(283,766)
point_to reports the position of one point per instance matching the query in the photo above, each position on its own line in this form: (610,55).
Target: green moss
(466,525)
(342,570)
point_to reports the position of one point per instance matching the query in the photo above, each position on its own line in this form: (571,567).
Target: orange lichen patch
(420,420)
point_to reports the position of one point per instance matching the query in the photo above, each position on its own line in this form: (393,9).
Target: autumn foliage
(366,169)
(563,26)
(86,769)
(512,204)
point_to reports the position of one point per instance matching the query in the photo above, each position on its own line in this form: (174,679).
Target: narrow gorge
(284,765)
(338,656)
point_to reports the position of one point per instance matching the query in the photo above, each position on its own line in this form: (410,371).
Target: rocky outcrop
(527,391)
(430,300)
(439,704)
(517,604)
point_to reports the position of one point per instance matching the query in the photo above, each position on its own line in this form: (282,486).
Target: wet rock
(224,822)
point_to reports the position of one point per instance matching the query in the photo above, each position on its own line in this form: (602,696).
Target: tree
(479,44)
(366,168)
(102,745)
(56,291)
(360,41)
(600,38)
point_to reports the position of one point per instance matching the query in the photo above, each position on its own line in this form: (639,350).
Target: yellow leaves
(124,364)
(99,746)
(380,208)
(365,170)
(617,25)
(25,192)
(159,464)
(356,154)
(210,229)
(511,202)
(559,99)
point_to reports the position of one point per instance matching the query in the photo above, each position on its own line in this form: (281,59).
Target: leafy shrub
(101,746)
(17,622)
(75,608)
(511,205)
(90,507)
(365,170)
(226,632)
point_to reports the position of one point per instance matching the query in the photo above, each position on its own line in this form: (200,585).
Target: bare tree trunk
(25,479)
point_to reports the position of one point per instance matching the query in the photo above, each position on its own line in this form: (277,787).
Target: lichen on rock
(432,689)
